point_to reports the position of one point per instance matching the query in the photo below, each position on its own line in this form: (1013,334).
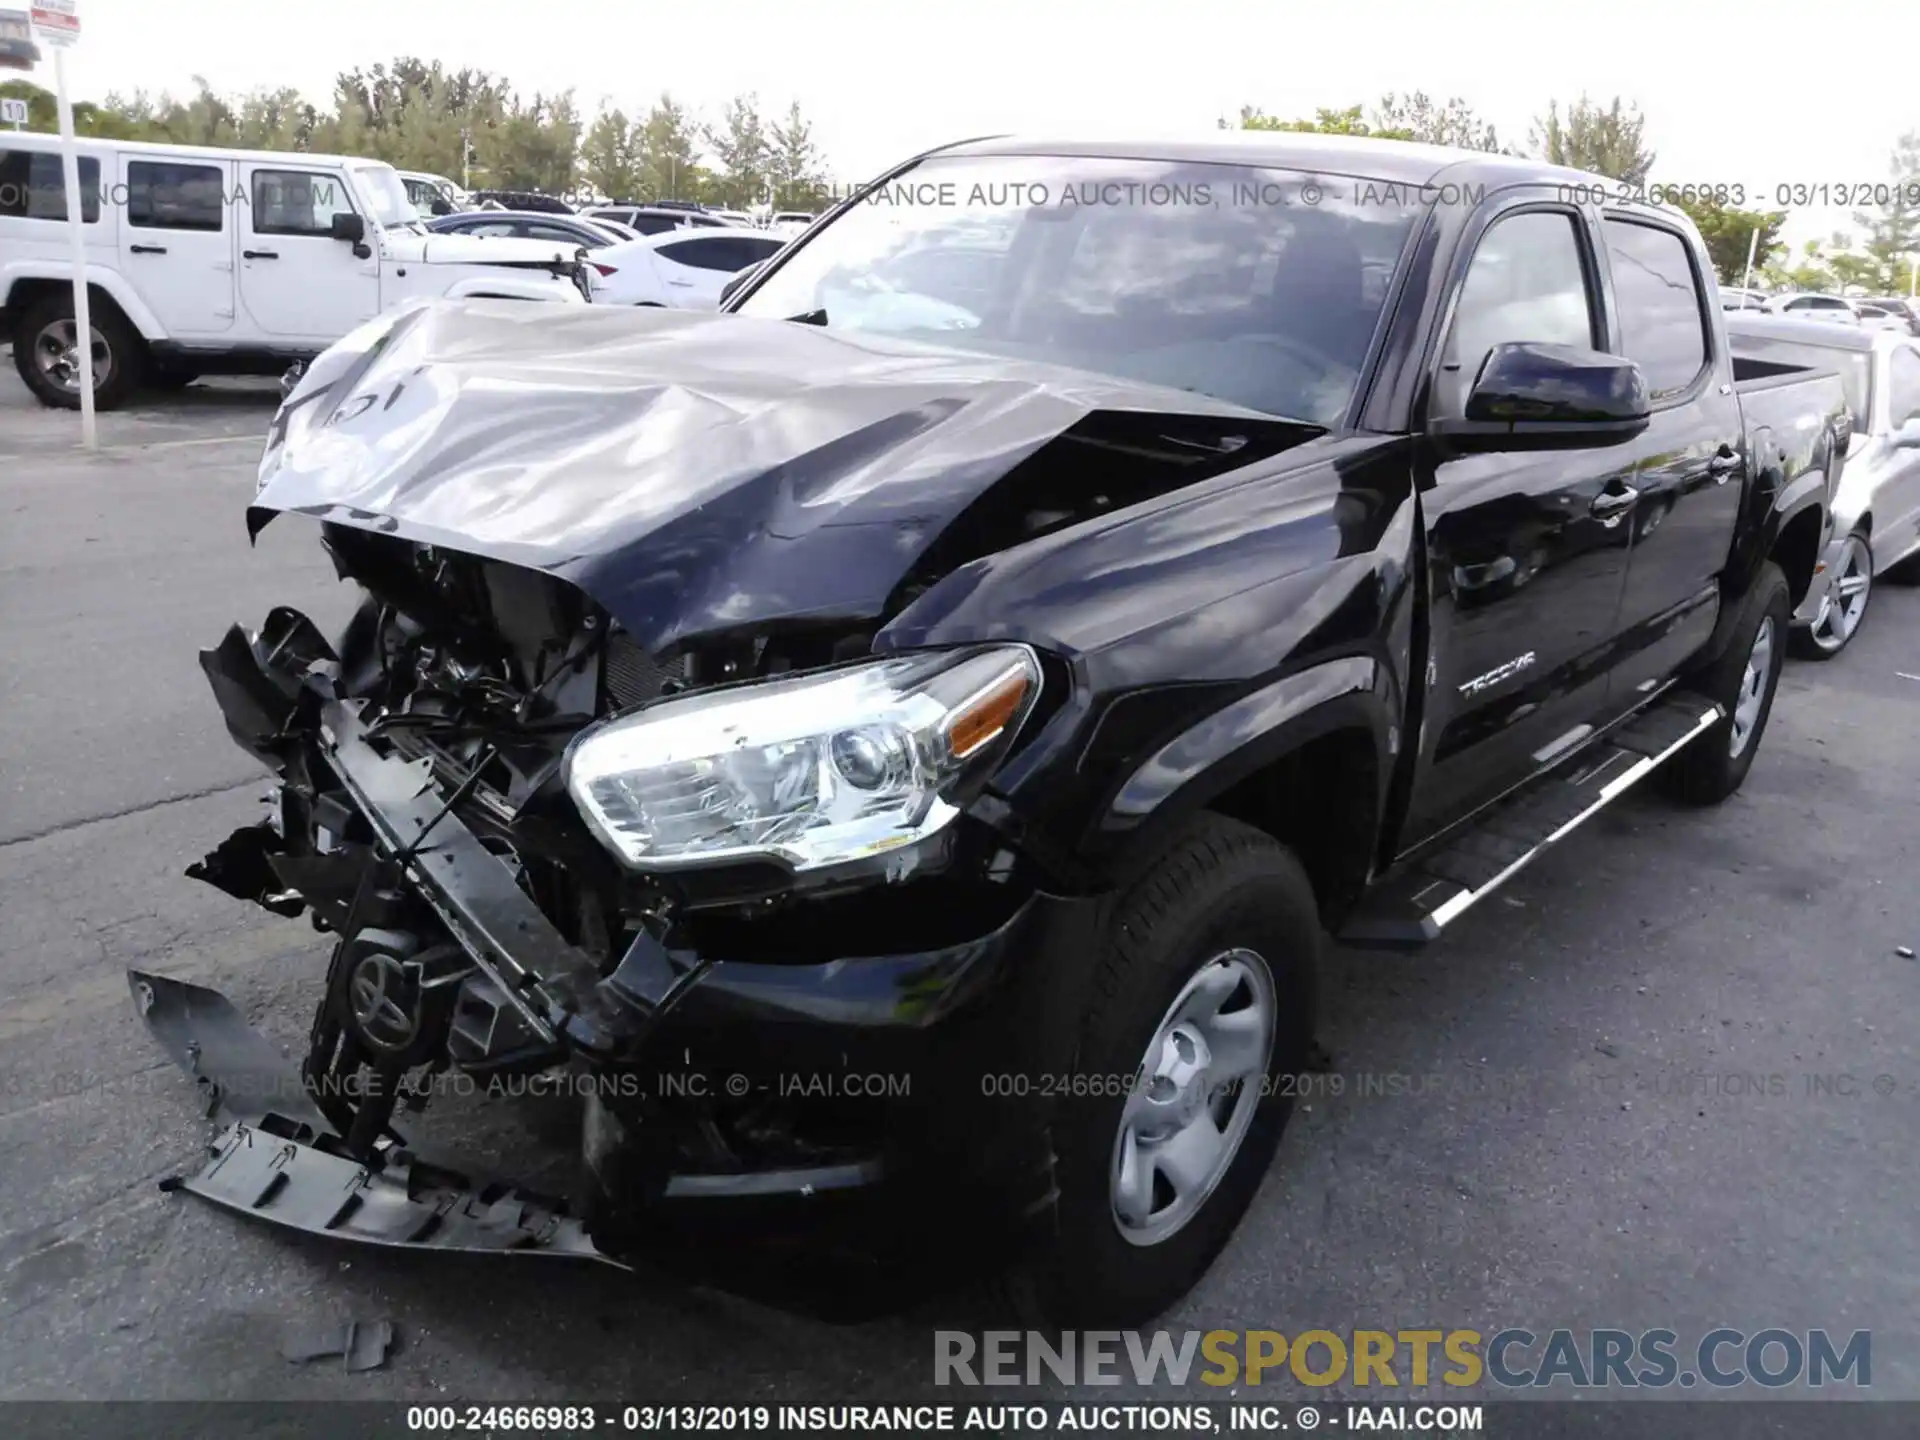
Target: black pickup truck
(895,749)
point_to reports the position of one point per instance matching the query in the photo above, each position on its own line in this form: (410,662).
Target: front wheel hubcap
(1193,1097)
(56,352)
(1753,688)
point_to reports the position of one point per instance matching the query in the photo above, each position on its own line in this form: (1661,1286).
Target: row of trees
(473,126)
(1611,140)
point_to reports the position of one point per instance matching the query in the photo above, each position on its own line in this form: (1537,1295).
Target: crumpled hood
(690,472)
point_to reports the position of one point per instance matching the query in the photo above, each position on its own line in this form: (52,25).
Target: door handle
(260,254)
(681,284)
(1613,502)
(149,249)
(1723,464)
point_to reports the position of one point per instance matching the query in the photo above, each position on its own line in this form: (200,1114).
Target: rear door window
(164,196)
(715,254)
(1663,316)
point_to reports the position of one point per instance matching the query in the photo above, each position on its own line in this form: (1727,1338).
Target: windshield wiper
(809,317)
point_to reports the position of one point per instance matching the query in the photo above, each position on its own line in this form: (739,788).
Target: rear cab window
(1661,303)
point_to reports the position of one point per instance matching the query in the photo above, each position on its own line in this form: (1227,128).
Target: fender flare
(1248,735)
(99,277)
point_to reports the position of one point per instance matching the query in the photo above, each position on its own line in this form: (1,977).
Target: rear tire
(119,361)
(1120,1251)
(1743,680)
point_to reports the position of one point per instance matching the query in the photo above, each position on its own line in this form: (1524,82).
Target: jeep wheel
(1205,995)
(46,353)
(1743,681)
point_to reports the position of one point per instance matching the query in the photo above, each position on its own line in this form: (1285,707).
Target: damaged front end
(754,940)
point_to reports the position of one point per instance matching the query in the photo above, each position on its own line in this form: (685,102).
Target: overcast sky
(1756,94)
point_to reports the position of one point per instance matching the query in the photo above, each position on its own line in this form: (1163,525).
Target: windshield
(1855,366)
(1258,287)
(386,195)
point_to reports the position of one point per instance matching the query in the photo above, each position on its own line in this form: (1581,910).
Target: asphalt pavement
(1642,1087)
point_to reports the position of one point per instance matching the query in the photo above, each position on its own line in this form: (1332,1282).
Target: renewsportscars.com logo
(1512,1358)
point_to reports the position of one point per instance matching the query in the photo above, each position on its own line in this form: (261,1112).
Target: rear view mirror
(732,287)
(349,227)
(1546,397)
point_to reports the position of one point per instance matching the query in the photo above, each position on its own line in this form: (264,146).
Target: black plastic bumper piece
(272,1161)
(406,1203)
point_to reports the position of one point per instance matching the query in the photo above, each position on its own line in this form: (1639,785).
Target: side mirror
(1550,397)
(349,227)
(1907,436)
(440,206)
(732,287)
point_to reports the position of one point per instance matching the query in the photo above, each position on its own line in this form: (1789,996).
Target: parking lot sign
(14,113)
(57,22)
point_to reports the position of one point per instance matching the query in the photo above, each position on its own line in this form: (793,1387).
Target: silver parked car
(1876,510)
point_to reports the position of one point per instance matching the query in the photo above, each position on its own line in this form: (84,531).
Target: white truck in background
(225,262)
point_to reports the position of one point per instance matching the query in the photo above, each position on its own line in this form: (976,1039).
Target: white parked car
(681,269)
(1836,309)
(739,219)
(1877,317)
(789,222)
(225,262)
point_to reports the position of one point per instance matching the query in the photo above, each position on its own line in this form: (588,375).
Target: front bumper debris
(269,1161)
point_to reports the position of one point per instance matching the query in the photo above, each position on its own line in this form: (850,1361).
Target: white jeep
(225,262)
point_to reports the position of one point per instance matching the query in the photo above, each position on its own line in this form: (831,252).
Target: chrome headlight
(811,772)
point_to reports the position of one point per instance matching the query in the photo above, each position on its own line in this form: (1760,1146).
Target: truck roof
(1400,161)
(40,139)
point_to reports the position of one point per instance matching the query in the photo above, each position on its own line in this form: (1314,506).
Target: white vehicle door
(301,286)
(177,242)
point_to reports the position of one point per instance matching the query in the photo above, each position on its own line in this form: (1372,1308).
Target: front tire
(1845,610)
(1201,1005)
(44,349)
(1743,680)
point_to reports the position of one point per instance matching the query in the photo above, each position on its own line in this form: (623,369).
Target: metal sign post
(57,24)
